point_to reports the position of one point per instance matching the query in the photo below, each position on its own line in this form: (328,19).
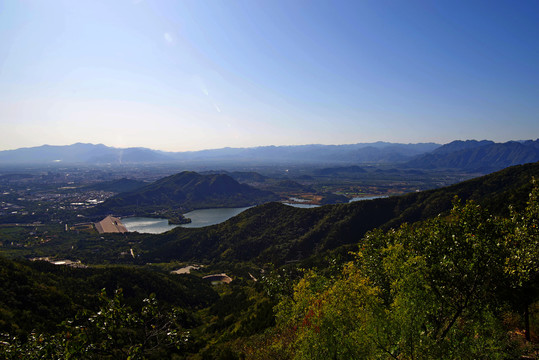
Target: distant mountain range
(379,152)
(483,156)
(471,155)
(80,153)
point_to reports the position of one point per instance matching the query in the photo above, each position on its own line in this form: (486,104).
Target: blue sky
(190,75)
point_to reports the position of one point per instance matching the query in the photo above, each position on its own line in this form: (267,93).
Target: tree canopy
(440,289)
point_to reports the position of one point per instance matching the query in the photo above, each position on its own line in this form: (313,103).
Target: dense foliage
(53,312)
(115,331)
(39,295)
(437,289)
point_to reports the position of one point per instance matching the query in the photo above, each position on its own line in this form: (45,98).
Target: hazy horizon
(259,146)
(196,75)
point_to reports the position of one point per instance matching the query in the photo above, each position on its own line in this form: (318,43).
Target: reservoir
(199,218)
(147,225)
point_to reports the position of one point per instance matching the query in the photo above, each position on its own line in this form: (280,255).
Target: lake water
(147,225)
(207,217)
(199,218)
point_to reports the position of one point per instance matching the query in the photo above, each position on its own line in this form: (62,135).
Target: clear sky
(189,75)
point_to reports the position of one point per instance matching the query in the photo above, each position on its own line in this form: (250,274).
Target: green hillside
(277,233)
(36,295)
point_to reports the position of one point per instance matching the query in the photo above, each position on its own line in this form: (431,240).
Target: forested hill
(187,190)
(485,156)
(41,294)
(277,233)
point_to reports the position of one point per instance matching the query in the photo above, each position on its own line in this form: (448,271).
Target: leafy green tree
(523,263)
(423,291)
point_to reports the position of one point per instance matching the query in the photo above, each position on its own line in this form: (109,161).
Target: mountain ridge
(314,153)
(484,156)
(467,155)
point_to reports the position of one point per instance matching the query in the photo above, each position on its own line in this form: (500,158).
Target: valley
(277,261)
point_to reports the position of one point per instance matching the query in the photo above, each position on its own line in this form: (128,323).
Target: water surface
(207,217)
(147,225)
(199,218)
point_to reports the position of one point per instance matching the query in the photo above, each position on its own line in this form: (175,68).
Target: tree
(522,264)
(426,290)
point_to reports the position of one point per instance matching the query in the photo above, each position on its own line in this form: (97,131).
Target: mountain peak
(188,190)
(484,156)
